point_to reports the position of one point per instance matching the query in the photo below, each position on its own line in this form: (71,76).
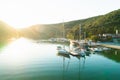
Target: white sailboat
(75,49)
(61,49)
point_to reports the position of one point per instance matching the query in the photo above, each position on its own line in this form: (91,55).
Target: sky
(24,13)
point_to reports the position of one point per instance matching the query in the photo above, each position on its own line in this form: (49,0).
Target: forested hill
(6,31)
(101,24)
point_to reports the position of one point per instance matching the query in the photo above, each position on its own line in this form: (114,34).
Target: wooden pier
(111,46)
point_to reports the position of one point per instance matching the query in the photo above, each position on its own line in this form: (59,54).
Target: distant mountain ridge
(107,23)
(102,24)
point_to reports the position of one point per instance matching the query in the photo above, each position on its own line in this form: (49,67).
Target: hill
(102,24)
(6,31)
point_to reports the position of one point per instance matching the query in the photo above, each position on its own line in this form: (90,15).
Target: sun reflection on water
(16,53)
(24,52)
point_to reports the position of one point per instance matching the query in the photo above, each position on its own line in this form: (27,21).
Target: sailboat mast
(80,32)
(63,30)
(63,33)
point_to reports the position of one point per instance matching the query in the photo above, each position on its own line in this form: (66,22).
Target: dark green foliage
(94,38)
(102,24)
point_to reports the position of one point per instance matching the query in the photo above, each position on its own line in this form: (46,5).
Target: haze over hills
(107,23)
(6,31)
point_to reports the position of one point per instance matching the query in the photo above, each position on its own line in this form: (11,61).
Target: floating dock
(111,46)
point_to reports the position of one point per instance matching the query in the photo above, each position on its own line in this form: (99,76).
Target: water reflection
(2,45)
(112,54)
(65,64)
(12,54)
(63,55)
(26,60)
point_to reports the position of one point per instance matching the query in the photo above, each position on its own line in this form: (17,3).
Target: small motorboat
(61,50)
(96,49)
(105,48)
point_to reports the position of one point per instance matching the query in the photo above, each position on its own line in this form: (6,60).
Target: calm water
(26,60)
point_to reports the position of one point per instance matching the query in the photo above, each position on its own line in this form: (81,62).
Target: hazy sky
(22,13)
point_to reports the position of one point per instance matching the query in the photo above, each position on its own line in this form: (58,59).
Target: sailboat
(63,55)
(75,48)
(60,49)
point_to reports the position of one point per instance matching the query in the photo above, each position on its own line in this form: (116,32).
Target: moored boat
(62,50)
(76,49)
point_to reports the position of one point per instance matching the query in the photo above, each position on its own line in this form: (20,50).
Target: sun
(18,14)
(18,24)
(23,13)
(19,20)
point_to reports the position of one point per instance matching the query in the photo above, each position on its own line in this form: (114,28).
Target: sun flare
(20,51)
(24,13)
